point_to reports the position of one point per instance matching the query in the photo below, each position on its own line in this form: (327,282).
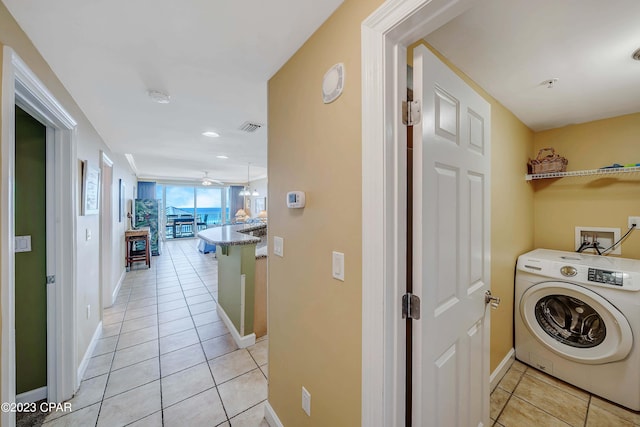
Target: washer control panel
(604,276)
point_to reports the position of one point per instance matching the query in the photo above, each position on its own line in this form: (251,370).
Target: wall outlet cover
(306,401)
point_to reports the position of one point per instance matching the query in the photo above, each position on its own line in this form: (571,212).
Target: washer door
(576,323)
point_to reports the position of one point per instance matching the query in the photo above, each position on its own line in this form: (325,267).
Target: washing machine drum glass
(575,323)
(570,321)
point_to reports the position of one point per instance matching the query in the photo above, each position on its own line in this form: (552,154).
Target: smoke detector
(159,97)
(549,83)
(250,127)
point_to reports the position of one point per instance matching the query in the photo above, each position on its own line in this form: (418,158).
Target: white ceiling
(510,46)
(212,57)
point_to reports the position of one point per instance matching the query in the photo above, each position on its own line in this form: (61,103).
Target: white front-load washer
(576,317)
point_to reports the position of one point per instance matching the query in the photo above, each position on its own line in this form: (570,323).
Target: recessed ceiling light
(159,97)
(211,134)
(222,157)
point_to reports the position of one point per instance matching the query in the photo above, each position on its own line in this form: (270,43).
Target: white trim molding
(385,36)
(89,353)
(242,341)
(32,395)
(270,416)
(502,368)
(21,87)
(116,291)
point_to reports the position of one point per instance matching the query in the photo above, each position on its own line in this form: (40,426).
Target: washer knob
(568,271)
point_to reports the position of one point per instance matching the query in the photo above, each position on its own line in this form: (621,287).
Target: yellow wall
(315,330)
(511,209)
(563,204)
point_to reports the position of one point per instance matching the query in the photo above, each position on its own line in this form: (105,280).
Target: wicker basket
(550,163)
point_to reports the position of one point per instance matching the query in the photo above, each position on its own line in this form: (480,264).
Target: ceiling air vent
(250,127)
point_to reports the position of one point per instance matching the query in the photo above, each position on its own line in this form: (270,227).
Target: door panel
(451,248)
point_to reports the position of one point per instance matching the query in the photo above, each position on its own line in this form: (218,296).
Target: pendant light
(246,191)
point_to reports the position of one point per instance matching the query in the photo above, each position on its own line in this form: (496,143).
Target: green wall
(233,261)
(30,267)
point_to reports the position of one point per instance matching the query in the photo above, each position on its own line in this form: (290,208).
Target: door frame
(107,297)
(385,35)
(21,87)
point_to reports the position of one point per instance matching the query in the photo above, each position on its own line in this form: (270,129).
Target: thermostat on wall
(295,199)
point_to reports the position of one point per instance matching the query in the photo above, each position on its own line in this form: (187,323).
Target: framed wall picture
(121,205)
(90,189)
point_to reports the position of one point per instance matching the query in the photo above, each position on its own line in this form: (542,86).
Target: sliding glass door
(190,209)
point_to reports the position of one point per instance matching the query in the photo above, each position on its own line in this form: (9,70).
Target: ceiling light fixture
(222,157)
(159,97)
(211,134)
(246,191)
(636,55)
(206,181)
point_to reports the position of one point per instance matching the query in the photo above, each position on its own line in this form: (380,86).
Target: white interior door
(451,248)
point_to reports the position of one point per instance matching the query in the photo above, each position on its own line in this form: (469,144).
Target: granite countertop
(228,235)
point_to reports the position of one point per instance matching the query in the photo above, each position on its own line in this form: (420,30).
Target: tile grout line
(215,383)
(104,392)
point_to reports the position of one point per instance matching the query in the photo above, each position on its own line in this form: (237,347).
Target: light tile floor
(526,397)
(165,358)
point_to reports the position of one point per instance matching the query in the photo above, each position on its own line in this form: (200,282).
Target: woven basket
(550,163)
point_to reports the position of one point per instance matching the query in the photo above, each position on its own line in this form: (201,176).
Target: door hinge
(411,112)
(51,279)
(410,306)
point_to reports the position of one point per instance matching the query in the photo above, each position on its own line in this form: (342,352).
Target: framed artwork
(90,189)
(121,206)
(261,204)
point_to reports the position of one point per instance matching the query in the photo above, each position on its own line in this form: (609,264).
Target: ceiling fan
(209,181)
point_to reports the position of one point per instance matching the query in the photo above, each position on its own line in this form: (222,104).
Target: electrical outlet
(306,401)
(634,220)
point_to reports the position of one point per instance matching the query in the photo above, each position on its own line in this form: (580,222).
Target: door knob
(490,299)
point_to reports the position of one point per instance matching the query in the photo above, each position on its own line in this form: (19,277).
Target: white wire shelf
(591,172)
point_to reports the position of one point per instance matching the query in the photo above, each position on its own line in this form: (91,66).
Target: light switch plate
(338,265)
(278,246)
(23,244)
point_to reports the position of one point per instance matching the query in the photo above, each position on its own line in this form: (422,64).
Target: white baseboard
(271,416)
(32,396)
(502,369)
(241,341)
(114,295)
(87,354)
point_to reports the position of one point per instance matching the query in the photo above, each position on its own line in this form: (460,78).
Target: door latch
(490,299)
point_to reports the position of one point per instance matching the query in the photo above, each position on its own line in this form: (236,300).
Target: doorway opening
(30,258)
(20,87)
(107,284)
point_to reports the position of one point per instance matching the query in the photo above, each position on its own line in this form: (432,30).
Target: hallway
(165,358)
